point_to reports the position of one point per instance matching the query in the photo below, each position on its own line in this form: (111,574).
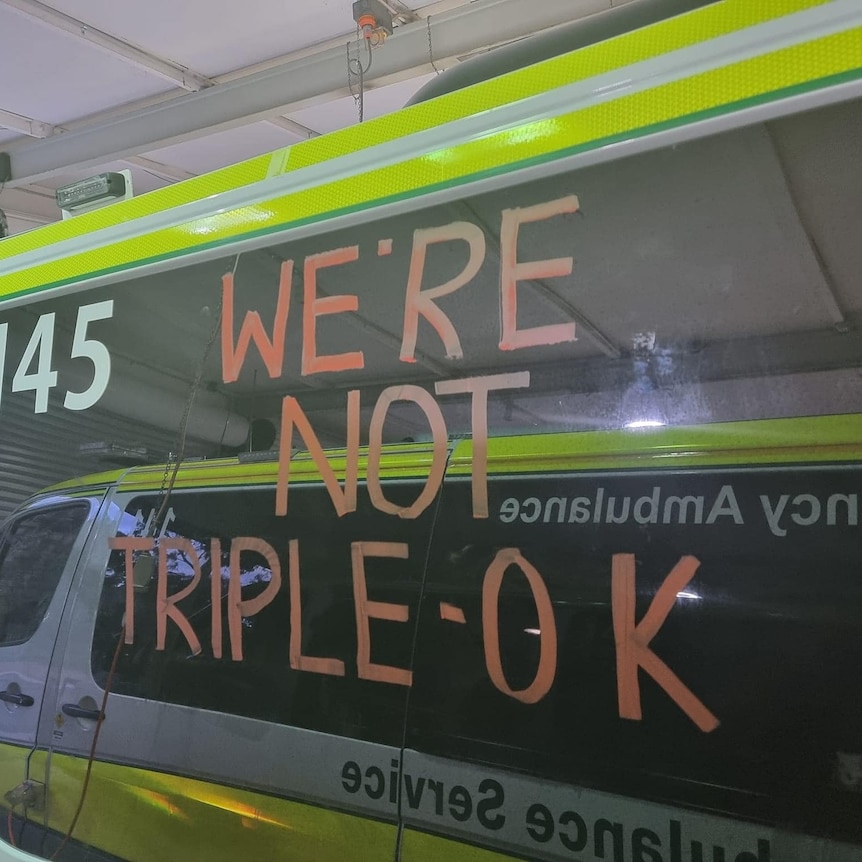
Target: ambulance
(479,483)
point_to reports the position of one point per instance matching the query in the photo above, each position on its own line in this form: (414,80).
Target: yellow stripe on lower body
(141,815)
(13,767)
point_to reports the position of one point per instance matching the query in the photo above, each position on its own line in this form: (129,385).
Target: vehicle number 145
(35,371)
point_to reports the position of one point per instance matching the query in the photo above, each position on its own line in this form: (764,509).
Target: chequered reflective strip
(628,116)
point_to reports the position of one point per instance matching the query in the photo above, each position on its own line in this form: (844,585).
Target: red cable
(9,827)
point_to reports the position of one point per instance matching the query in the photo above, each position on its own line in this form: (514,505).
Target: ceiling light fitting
(373,18)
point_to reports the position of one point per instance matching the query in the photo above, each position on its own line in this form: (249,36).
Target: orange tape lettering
(547,669)
(215,596)
(632,641)
(272,352)
(236,607)
(298,661)
(452,613)
(375,445)
(292,414)
(512,271)
(367,610)
(480,387)
(421,302)
(129,544)
(167,607)
(316,306)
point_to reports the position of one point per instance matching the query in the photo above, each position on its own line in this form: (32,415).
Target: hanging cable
(92,755)
(430,45)
(357,97)
(357,70)
(4,225)
(361,92)
(166,490)
(10,826)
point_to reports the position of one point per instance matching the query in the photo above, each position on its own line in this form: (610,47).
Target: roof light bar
(94,191)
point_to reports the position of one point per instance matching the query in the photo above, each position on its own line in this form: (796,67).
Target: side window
(33,554)
(268,617)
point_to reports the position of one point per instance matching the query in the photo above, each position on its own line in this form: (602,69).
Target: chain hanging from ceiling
(430,45)
(357,68)
(373,24)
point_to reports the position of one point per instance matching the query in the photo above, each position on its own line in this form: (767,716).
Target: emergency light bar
(94,192)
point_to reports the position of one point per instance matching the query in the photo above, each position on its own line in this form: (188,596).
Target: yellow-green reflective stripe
(661,38)
(752,78)
(142,816)
(697,26)
(625,117)
(816,439)
(13,768)
(819,439)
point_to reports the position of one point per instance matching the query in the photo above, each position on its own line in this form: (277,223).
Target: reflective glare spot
(645,423)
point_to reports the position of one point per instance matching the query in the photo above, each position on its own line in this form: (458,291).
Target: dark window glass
(262,684)
(32,558)
(766,636)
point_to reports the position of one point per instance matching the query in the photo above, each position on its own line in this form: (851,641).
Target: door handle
(16,698)
(82,712)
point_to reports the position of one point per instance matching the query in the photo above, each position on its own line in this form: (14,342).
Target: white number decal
(43,378)
(95,351)
(40,350)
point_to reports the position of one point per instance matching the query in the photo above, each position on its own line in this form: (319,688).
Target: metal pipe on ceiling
(289,86)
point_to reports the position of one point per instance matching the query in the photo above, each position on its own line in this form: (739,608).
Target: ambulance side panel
(223,739)
(641,665)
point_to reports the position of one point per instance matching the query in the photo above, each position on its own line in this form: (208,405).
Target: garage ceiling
(172,90)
